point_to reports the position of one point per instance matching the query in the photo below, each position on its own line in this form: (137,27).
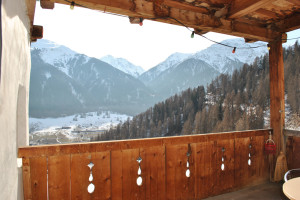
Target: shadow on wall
(0,38)
(16,10)
(22,132)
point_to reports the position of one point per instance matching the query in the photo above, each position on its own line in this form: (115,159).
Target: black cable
(75,3)
(193,32)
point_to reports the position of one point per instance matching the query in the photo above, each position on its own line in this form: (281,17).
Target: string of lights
(72,4)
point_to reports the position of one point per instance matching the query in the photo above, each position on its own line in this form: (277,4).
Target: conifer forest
(231,102)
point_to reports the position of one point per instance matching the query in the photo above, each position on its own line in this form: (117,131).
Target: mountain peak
(123,65)
(220,57)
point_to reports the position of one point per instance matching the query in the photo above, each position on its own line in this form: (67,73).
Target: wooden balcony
(61,171)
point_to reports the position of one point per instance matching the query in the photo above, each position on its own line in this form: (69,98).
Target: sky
(97,34)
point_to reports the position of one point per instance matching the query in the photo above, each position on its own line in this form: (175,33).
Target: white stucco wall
(14,91)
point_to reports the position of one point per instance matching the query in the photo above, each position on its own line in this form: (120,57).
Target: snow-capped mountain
(64,82)
(57,55)
(177,72)
(172,61)
(223,60)
(123,65)
(190,73)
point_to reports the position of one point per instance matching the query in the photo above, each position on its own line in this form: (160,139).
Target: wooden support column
(277,109)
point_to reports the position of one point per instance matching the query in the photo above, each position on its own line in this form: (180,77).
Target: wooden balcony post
(277,108)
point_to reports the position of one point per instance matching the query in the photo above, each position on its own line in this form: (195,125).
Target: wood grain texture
(163,167)
(205,159)
(242,8)
(116,175)
(225,178)
(130,190)
(26,179)
(59,177)
(277,107)
(153,172)
(293,152)
(62,149)
(102,175)
(80,173)
(38,166)
(291,133)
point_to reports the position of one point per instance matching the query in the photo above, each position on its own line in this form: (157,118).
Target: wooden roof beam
(37,33)
(46,4)
(161,12)
(296,2)
(266,13)
(31,10)
(241,8)
(289,24)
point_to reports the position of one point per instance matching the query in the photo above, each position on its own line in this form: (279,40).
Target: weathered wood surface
(38,174)
(293,152)
(26,179)
(163,167)
(192,16)
(62,149)
(291,133)
(277,108)
(59,177)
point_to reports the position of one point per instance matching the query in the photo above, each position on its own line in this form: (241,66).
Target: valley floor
(82,127)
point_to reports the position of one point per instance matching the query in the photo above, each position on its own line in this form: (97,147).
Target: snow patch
(48,75)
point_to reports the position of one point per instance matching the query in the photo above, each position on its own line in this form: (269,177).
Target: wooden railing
(292,148)
(61,171)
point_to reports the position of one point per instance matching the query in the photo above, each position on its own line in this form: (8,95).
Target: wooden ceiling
(254,20)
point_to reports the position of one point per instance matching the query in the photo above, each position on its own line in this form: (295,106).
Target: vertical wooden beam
(277,108)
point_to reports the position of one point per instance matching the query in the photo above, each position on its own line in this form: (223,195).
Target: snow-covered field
(75,128)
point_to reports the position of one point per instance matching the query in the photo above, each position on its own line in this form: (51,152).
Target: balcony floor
(267,191)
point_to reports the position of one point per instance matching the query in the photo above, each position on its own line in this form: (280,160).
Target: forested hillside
(230,102)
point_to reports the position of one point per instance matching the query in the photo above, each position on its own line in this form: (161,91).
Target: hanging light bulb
(193,34)
(268,47)
(72,5)
(233,51)
(141,21)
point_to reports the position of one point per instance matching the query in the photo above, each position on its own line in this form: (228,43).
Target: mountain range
(64,82)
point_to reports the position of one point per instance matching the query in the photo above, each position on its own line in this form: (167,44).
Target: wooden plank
(225,178)
(116,175)
(38,174)
(59,177)
(46,4)
(205,160)
(242,8)
(293,152)
(260,160)
(102,175)
(185,6)
(31,10)
(170,172)
(26,179)
(241,159)
(130,189)
(266,13)
(80,173)
(211,168)
(296,2)
(36,33)
(290,23)
(61,149)
(153,171)
(291,133)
